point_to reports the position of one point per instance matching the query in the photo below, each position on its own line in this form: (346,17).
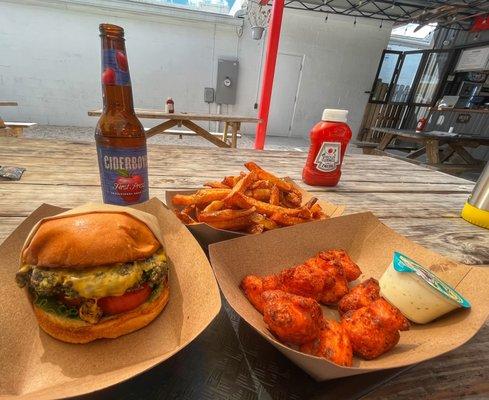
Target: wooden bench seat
(367,147)
(183,132)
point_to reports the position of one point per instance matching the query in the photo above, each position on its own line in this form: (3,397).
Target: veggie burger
(95,275)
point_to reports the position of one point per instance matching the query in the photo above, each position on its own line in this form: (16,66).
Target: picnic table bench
(231,122)
(12,128)
(438,147)
(229,359)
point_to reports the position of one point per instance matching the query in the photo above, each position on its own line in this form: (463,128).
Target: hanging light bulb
(381,23)
(355,22)
(326,18)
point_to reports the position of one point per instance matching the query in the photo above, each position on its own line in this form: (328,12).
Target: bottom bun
(78,331)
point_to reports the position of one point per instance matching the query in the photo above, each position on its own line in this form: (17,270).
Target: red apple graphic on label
(121,61)
(129,187)
(108,76)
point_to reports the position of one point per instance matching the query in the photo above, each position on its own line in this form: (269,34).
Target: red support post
(273,37)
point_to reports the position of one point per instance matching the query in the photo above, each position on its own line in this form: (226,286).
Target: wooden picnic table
(431,144)
(7,103)
(420,203)
(12,128)
(186,119)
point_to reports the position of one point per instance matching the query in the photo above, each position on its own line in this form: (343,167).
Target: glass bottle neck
(116,81)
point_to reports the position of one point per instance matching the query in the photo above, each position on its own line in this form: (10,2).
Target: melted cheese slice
(107,280)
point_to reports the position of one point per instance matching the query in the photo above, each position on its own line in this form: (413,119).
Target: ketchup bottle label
(329,156)
(115,68)
(123,175)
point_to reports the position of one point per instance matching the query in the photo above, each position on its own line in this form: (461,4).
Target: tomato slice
(127,302)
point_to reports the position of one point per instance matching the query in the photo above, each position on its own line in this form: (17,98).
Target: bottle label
(123,175)
(115,70)
(329,157)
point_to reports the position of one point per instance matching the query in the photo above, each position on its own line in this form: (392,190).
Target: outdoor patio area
(244,199)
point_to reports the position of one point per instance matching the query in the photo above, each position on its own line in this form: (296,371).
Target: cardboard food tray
(206,234)
(371,244)
(37,366)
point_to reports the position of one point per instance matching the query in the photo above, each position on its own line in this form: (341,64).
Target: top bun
(89,240)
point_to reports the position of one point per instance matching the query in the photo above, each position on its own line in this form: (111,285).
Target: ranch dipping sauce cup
(418,293)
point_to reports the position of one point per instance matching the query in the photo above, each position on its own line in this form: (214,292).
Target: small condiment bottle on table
(421,124)
(329,140)
(169,106)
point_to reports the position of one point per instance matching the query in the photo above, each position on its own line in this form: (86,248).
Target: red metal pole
(273,37)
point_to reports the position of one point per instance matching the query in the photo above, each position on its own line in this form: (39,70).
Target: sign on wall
(463,118)
(476,59)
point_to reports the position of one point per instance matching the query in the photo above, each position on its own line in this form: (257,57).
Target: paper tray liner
(371,244)
(35,365)
(206,234)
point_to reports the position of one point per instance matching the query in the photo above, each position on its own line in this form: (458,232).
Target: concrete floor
(245,142)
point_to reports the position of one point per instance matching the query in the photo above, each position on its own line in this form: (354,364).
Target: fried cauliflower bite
(253,286)
(323,278)
(308,280)
(352,270)
(332,343)
(374,330)
(292,319)
(389,315)
(337,285)
(360,296)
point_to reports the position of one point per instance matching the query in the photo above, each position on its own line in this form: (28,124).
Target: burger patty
(94,283)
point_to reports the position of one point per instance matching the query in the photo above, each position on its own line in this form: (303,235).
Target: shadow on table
(281,379)
(229,360)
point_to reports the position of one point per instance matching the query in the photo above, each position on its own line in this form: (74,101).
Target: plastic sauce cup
(418,293)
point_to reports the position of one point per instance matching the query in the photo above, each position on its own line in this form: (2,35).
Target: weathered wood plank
(8,225)
(460,374)
(58,173)
(172,181)
(24,198)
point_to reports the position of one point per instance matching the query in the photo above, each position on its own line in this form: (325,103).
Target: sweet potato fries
(251,202)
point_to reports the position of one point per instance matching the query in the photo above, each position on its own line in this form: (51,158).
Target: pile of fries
(251,202)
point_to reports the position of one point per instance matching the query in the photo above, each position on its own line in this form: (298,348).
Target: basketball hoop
(258,15)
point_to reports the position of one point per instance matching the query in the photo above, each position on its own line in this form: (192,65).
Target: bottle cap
(333,115)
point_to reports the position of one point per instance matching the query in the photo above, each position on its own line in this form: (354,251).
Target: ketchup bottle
(421,125)
(169,105)
(329,139)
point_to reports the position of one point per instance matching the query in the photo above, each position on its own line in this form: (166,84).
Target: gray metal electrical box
(209,95)
(227,80)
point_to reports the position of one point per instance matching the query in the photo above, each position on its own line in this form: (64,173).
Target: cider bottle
(120,137)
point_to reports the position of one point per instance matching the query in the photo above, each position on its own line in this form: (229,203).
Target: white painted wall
(340,63)
(50,61)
